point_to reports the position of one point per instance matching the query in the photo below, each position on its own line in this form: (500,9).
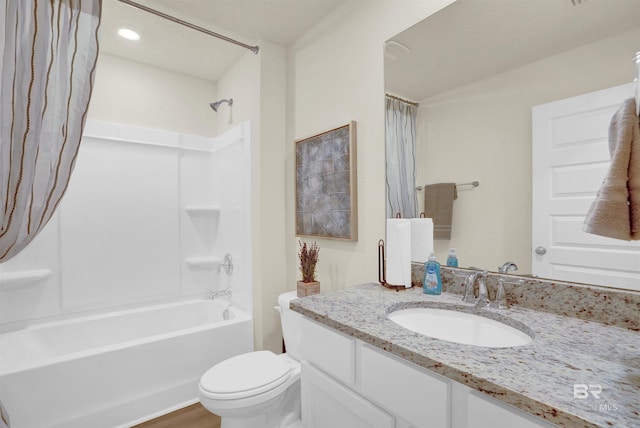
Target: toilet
(259,389)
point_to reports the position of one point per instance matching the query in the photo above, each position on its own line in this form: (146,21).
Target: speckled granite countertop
(537,378)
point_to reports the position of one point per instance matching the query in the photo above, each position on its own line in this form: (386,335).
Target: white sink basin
(459,327)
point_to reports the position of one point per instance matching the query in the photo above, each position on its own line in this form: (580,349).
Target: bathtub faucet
(218,293)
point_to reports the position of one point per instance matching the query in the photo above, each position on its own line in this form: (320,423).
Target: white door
(570,159)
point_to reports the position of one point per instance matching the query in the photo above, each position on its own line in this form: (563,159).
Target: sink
(460,327)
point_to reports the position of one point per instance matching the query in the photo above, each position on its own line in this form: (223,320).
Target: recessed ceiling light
(129,34)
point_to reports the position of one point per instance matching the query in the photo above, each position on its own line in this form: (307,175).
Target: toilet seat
(245,375)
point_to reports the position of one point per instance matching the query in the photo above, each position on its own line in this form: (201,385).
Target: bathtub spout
(218,293)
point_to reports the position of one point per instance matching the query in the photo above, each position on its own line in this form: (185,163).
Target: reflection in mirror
(400,132)
(477,69)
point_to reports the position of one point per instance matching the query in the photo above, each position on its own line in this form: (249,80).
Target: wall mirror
(476,69)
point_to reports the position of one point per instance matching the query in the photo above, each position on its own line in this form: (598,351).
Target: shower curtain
(48,57)
(400,158)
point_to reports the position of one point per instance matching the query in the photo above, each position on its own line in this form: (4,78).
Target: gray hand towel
(438,205)
(4,417)
(614,212)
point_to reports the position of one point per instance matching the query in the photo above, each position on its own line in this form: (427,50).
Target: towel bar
(473,183)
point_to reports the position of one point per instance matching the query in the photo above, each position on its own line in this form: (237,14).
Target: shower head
(216,104)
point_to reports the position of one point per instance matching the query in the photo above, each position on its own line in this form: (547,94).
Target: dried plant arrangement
(308,255)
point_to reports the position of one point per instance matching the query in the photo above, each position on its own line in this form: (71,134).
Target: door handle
(541,251)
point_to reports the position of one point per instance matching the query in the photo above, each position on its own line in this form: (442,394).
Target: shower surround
(146,220)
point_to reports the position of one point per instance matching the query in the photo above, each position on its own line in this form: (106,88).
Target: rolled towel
(610,212)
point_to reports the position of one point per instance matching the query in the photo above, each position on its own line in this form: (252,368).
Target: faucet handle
(500,301)
(501,297)
(226,264)
(483,295)
(469,295)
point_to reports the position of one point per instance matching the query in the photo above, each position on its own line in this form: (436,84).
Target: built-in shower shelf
(21,278)
(202,209)
(203,262)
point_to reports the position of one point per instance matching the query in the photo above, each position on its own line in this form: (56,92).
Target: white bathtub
(116,369)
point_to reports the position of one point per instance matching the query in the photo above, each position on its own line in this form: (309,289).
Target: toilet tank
(291,325)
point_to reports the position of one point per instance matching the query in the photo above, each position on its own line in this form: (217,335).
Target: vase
(308,288)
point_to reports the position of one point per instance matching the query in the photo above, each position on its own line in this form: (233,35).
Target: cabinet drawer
(483,411)
(329,350)
(421,398)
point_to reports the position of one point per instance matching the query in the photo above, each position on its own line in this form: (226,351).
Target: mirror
(477,68)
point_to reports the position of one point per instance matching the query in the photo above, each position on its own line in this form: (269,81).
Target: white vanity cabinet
(419,396)
(476,410)
(347,383)
(328,383)
(328,403)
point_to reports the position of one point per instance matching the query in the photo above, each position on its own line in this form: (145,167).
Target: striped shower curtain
(47,63)
(400,158)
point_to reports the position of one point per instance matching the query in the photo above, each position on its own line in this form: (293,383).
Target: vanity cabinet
(476,410)
(328,403)
(416,395)
(349,383)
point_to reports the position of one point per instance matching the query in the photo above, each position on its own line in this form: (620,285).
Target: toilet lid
(246,375)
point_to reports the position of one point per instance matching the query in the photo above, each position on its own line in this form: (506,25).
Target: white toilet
(259,389)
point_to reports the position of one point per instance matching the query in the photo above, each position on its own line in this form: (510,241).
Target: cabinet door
(330,351)
(420,397)
(329,404)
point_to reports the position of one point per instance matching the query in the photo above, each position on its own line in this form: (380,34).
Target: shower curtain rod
(393,97)
(253,49)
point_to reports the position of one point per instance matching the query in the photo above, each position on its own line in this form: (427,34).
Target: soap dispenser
(432,283)
(452,259)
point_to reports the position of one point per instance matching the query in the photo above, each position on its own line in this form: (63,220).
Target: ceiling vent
(394,50)
(575,3)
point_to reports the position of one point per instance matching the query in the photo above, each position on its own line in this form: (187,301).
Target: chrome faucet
(218,293)
(507,266)
(469,289)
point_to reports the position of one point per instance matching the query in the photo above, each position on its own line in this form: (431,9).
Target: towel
(615,212)
(4,417)
(438,205)
(634,180)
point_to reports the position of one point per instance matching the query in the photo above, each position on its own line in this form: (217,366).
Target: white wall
(483,132)
(257,85)
(335,75)
(132,93)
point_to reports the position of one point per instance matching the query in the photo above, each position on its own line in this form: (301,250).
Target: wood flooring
(194,416)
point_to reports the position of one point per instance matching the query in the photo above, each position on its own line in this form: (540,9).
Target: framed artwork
(326,197)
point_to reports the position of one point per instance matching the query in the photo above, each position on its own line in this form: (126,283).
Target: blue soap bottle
(452,260)
(432,283)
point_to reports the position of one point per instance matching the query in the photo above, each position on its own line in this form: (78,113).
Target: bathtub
(116,369)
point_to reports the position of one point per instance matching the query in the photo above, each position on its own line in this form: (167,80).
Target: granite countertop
(537,378)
